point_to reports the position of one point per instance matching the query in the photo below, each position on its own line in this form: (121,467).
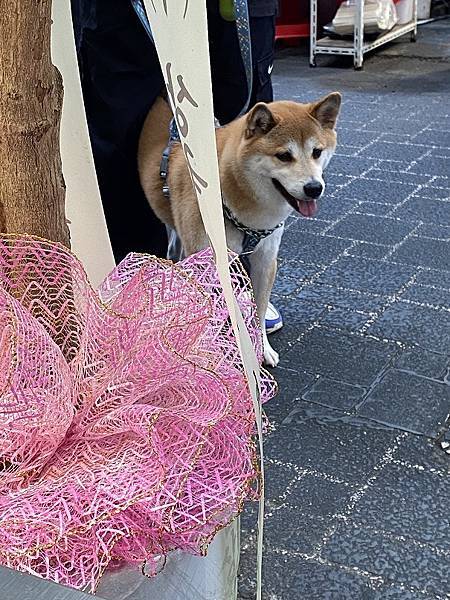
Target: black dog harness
(252,237)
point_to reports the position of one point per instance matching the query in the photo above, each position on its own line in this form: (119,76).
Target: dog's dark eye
(317,152)
(284,156)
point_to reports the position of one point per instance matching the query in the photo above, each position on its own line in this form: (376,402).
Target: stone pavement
(358,486)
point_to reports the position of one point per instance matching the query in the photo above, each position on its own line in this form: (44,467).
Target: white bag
(379,16)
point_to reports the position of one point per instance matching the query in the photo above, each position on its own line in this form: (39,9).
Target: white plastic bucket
(423,9)
(404,11)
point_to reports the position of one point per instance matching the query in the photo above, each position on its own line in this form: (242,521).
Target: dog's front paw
(271,358)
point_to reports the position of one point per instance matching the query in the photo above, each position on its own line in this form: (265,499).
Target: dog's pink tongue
(307,208)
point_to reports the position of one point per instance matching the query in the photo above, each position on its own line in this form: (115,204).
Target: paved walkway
(358,485)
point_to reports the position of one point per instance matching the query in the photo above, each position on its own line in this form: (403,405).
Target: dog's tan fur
(248,152)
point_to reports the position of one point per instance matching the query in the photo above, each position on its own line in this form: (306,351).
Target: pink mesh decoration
(126,425)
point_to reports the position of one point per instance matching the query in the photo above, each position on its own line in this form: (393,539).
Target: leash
(243,32)
(141,13)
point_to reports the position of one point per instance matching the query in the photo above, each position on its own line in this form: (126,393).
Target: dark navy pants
(121,78)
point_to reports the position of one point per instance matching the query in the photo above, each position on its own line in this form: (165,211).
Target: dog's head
(289,145)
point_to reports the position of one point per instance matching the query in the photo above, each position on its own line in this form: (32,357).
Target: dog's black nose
(313,189)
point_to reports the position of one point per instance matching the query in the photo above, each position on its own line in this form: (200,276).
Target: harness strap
(174,136)
(252,237)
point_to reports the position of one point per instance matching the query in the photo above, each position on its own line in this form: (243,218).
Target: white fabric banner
(180,32)
(88,232)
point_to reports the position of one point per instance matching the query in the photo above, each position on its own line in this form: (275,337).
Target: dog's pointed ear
(260,120)
(326,110)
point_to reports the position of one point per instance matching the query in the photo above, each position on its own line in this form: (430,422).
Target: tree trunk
(32,187)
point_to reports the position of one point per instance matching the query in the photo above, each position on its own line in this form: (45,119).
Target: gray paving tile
(398,125)
(343,319)
(422,362)
(292,384)
(414,566)
(373,208)
(424,455)
(440,153)
(312,249)
(335,207)
(343,298)
(378,230)
(427,295)
(408,402)
(296,313)
(290,530)
(366,250)
(433,165)
(438,189)
(315,495)
(434,138)
(354,165)
(427,210)
(294,578)
(352,137)
(399,166)
(334,393)
(384,192)
(278,478)
(314,225)
(398,593)
(290,275)
(350,359)
(434,231)
(414,324)
(394,151)
(396,177)
(335,181)
(364,111)
(340,452)
(424,252)
(396,138)
(409,503)
(367,275)
(305,411)
(436,278)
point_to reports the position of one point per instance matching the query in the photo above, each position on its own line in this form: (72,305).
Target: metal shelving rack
(356,48)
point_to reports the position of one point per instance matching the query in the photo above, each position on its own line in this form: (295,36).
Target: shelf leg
(414,31)
(358,38)
(313,33)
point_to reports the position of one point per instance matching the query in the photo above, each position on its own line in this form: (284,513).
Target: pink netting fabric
(126,425)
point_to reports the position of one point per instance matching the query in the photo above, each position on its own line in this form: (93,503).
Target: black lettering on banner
(184,93)
(196,179)
(182,122)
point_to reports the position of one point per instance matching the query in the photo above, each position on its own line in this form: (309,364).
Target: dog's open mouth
(307,208)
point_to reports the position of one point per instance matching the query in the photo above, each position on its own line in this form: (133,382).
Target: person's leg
(121,78)
(229,83)
(262,30)
(228,73)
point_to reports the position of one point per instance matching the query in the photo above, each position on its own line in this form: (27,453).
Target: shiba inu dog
(271,163)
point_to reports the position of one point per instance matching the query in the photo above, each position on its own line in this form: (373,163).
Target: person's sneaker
(274,321)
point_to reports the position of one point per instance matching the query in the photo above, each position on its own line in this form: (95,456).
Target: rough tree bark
(32,190)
